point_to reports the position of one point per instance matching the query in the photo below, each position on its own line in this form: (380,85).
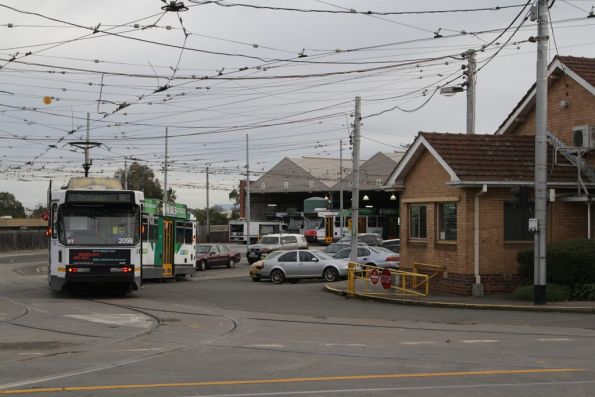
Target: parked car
(295,265)
(338,246)
(274,242)
(209,255)
(394,245)
(372,239)
(371,256)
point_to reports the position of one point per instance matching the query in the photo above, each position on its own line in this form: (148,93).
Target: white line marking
(130,320)
(421,342)
(266,346)
(30,354)
(480,341)
(344,344)
(380,389)
(554,339)
(137,350)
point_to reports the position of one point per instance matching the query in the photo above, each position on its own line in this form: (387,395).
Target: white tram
(95,235)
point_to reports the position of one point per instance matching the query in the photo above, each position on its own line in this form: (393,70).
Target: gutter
(477,287)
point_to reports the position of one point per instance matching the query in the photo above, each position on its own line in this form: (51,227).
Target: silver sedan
(298,264)
(371,256)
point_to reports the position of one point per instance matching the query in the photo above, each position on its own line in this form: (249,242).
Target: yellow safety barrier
(379,281)
(436,269)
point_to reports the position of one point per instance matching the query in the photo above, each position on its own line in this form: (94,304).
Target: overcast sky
(218,72)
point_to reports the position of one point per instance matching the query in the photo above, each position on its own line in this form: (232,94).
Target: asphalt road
(220,334)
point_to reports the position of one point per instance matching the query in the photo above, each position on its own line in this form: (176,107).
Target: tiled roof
(495,158)
(323,169)
(584,67)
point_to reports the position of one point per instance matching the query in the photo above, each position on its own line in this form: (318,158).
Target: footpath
(489,302)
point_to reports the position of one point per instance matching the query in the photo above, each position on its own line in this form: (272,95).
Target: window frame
(442,223)
(422,228)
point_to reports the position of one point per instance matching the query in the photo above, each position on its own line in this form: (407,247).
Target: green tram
(169,236)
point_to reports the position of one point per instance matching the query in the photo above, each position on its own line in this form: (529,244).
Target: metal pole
(247,194)
(341,216)
(471,70)
(541,154)
(208,216)
(125,175)
(87,165)
(355,190)
(165,172)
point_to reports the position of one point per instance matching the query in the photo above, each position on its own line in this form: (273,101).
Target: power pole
(341,216)
(541,154)
(355,190)
(165,172)
(471,71)
(208,217)
(125,175)
(247,195)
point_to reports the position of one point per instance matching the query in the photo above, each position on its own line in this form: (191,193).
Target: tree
(215,217)
(39,211)
(235,197)
(171,194)
(10,206)
(141,177)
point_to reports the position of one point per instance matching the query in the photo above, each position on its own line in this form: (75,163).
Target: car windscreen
(323,255)
(203,249)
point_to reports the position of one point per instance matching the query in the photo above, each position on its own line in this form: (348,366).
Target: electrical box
(583,136)
(532,224)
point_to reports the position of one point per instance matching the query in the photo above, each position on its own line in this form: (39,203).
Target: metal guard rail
(402,282)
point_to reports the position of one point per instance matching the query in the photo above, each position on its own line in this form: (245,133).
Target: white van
(275,242)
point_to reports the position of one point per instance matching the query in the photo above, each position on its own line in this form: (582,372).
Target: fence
(375,281)
(218,234)
(16,240)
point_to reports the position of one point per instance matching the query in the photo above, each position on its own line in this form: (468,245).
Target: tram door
(329,229)
(168,249)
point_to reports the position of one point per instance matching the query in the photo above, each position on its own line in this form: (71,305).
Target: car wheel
(277,276)
(294,280)
(202,265)
(330,274)
(230,263)
(255,279)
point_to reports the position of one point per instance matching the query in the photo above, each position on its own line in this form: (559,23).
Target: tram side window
(180,232)
(145,229)
(188,233)
(153,233)
(54,219)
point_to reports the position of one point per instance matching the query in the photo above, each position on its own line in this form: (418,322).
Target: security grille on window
(378,182)
(447,221)
(286,185)
(417,221)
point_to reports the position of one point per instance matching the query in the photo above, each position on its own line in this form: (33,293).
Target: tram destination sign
(99,197)
(99,256)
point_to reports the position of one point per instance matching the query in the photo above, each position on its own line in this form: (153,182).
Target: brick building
(466,199)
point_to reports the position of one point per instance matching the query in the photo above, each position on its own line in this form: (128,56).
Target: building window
(311,184)
(516,222)
(417,221)
(286,185)
(263,185)
(378,182)
(447,221)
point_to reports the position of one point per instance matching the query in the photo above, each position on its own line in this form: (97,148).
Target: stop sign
(385,279)
(374,276)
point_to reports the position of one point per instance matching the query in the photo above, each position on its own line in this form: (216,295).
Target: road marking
(137,350)
(266,346)
(344,344)
(30,354)
(480,341)
(402,388)
(554,339)
(129,320)
(291,380)
(421,342)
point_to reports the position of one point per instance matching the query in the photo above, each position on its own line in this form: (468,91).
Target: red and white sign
(374,276)
(385,279)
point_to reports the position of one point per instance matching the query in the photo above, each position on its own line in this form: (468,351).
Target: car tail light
(392,258)
(259,266)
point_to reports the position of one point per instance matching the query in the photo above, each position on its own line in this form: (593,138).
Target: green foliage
(38,211)
(585,292)
(215,216)
(554,293)
(10,206)
(234,196)
(570,262)
(141,177)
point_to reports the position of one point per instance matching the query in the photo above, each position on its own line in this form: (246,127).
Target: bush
(570,262)
(554,293)
(584,292)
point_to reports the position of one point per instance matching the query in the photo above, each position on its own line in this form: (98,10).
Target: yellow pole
(351,279)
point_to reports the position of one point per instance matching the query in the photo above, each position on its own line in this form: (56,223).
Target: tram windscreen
(98,224)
